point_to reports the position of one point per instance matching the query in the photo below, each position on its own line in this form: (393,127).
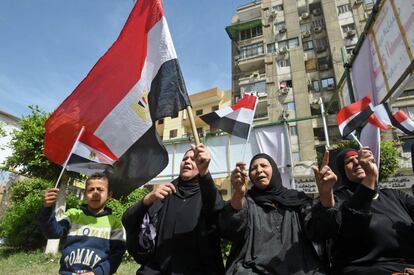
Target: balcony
(250,62)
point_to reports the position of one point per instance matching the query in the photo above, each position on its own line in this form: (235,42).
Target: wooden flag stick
(193,126)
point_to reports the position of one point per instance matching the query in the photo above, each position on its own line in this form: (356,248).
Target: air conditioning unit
(317,29)
(283,50)
(317,11)
(284,91)
(282,29)
(350,33)
(304,16)
(272,14)
(323,67)
(236,58)
(306,34)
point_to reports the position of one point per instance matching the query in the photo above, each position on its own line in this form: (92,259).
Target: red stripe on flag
(400,116)
(112,77)
(248,102)
(352,109)
(96,143)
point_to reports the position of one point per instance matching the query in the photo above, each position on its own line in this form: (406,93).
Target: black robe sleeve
(233,223)
(132,219)
(211,197)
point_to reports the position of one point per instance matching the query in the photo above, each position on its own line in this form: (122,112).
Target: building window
(290,106)
(199,112)
(280,26)
(293,130)
(283,62)
(328,83)
(251,50)
(261,110)
(173,133)
(321,43)
(344,8)
(307,45)
(278,7)
(214,108)
(324,63)
(305,28)
(348,27)
(318,23)
(290,43)
(315,85)
(259,87)
(160,121)
(271,48)
(295,156)
(285,84)
(251,33)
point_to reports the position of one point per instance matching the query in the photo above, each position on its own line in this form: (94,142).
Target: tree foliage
(120,206)
(19,226)
(27,145)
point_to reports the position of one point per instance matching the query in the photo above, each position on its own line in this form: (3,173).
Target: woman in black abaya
(265,224)
(174,229)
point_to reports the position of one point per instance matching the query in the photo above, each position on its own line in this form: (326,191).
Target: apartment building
(292,53)
(179,128)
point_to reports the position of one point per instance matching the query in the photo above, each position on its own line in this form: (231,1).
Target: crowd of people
(356,228)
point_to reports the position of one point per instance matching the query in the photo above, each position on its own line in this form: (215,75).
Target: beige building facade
(292,53)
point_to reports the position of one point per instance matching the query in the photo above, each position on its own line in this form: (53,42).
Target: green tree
(19,226)
(27,145)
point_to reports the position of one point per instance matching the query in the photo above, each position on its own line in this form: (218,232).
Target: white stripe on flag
(242,115)
(345,122)
(123,126)
(408,124)
(224,111)
(88,152)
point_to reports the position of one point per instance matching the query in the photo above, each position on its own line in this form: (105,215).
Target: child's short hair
(97,176)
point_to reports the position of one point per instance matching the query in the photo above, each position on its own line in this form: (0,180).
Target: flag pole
(70,153)
(325,126)
(251,126)
(356,139)
(290,166)
(193,126)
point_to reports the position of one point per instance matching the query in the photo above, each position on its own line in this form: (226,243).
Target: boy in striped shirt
(95,238)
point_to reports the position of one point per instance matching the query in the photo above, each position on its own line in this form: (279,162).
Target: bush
(120,206)
(19,226)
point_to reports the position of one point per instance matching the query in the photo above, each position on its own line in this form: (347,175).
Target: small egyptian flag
(90,155)
(235,120)
(403,122)
(354,116)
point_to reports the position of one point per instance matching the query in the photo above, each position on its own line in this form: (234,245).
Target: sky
(48,46)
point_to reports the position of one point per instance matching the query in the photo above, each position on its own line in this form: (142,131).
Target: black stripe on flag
(226,124)
(168,93)
(85,166)
(357,121)
(144,160)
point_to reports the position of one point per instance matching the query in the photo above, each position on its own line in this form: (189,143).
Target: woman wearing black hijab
(174,229)
(375,227)
(265,224)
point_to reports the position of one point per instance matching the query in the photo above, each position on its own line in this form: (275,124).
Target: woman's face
(261,173)
(353,170)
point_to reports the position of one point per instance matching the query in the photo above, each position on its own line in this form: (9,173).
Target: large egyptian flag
(235,120)
(354,116)
(136,82)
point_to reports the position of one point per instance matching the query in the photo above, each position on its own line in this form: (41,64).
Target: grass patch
(13,261)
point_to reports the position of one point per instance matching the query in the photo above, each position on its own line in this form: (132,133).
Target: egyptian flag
(90,155)
(136,82)
(354,116)
(403,122)
(235,120)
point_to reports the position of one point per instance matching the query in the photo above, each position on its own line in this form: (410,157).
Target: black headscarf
(275,192)
(340,166)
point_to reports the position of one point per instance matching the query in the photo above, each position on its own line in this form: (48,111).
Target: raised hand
(202,158)
(160,192)
(239,182)
(325,180)
(50,197)
(367,161)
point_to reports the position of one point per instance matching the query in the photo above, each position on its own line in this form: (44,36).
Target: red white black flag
(399,120)
(136,82)
(354,116)
(235,120)
(90,155)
